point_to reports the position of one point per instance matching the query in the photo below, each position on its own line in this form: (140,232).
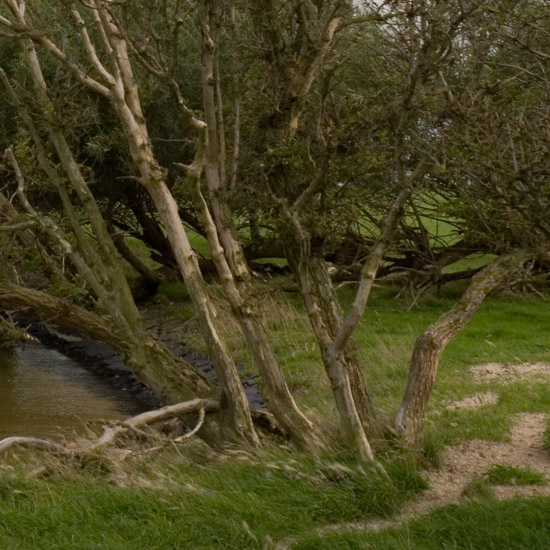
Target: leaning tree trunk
(429,346)
(227,253)
(168,377)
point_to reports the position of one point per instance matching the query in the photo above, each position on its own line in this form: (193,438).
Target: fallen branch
(194,430)
(135,424)
(149,417)
(33,442)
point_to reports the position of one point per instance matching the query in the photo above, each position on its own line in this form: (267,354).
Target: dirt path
(465,462)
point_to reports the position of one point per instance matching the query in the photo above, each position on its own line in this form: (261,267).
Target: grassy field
(485,525)
(192,498)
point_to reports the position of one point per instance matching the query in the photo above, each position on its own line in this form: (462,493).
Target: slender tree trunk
(227,252)
(238,415)
(214,165)
(337,370)
(124,96)
(331,312)
(150,360)
(429,346)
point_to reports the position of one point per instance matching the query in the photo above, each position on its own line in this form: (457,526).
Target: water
(44,394)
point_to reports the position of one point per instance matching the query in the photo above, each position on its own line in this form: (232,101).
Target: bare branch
(17,226)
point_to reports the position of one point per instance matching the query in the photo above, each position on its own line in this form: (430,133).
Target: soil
(506,374)
(474,402)
(470,459)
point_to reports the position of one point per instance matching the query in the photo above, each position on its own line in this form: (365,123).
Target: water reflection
(43,393)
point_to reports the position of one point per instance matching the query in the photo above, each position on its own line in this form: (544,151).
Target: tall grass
(194,502)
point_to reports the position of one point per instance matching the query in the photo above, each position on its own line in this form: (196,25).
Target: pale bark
(338,371)
(125,100)
(228,255)
(34,443)
(409,422)
(214,160)
(368,275)
(275,390)
(322,291)
(110,435)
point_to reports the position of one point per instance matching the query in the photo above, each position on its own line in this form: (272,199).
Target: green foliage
(31,264)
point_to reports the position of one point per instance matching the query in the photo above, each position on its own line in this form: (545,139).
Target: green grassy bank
(191,498)
(486,525)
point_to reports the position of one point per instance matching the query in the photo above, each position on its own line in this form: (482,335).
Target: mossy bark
(429,346)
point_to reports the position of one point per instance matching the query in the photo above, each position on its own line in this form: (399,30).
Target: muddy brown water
(45,394)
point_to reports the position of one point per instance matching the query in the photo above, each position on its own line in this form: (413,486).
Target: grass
(205,504)
(546,442)
(197,500)
(502,474)
(485,525)
(510,329)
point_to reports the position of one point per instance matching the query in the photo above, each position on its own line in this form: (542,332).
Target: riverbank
(156,495)
(105,361)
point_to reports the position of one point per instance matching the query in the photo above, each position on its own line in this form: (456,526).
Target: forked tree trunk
(328,305)
(351,422)
(429,346)
(240,421)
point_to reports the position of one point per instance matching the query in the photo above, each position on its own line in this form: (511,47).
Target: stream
(45,394)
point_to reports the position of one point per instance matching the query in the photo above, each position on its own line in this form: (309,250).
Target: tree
(492,164)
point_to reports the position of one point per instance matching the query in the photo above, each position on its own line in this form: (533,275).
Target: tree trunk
(240,421)
(123,93)
(429,346)
(227,252)
(168,377)
(331,312)
(337,369)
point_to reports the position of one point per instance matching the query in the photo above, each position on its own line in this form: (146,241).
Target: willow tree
(119,87)
(318,180)
(115,81)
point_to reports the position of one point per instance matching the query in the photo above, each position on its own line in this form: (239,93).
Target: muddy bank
(104,360)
